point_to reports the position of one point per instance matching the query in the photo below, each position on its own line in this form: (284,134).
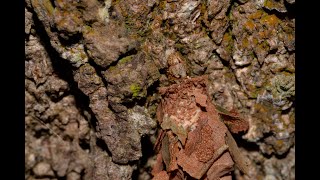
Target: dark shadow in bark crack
(100,143)
(64,70)
(249,146)
(70,40)
(98,70)
(290,14)
(147,152)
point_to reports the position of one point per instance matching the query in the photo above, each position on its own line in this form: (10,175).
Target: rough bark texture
(93,69)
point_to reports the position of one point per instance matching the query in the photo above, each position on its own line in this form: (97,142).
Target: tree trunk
(93,71)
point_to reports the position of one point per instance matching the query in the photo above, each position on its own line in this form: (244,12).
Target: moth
(195,140)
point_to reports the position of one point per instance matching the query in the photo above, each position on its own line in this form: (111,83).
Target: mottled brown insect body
(192,142)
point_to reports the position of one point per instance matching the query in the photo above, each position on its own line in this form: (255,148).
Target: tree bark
(93,70)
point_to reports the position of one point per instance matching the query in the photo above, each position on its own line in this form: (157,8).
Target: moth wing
(241,161)
(232,120)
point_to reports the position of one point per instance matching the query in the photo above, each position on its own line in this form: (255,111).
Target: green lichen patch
(270,20)
(254,91)
(228,41)
(275,5)
(245,43)
(250,25)
(256,15)
(135,89)
(47,4)
(125,59)
(264,46)
(284,85)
